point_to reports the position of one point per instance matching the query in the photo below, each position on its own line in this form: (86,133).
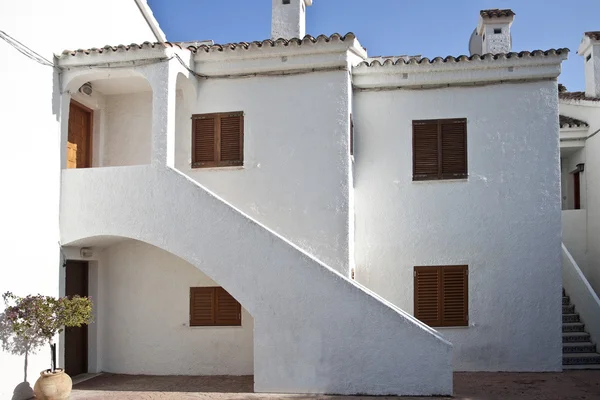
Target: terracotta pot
(53,386)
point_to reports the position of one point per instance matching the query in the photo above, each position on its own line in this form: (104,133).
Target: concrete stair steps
(578,350)
(570,309)
(569,337)
(570,318)
(573,327)
(581,359)
(581,366)
(580,347)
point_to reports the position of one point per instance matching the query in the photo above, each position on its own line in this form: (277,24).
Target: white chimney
(289,19)
(492,34)
(590,50)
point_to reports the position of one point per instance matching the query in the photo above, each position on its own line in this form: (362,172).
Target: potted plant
(36,320)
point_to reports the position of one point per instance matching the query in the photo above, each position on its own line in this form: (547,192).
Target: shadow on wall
(19,347)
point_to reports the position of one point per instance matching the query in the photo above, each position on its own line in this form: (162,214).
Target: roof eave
(459,71)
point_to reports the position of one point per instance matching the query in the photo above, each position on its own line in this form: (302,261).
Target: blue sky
(393,27)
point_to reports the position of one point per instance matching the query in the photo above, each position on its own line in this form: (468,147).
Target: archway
(144,314)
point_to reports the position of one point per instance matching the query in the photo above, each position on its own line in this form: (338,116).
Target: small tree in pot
(36,320)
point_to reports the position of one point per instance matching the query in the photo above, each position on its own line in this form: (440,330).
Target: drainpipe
(152,22)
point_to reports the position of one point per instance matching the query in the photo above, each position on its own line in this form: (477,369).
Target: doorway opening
(79,141)
(577,192)
(76,339)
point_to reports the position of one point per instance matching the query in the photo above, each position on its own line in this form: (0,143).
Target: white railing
(587,303)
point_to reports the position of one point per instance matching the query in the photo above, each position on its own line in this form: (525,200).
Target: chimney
(590,50)
(493,31)
(289,19)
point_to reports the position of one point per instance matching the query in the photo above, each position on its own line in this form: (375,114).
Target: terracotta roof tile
(108,49)
(496,13)
(576,96)
(463,58)
(568,122)
(308,39)
(594,35)
(216,47)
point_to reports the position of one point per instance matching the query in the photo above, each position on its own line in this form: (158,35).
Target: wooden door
(76,339)
(577,191)
(79,142)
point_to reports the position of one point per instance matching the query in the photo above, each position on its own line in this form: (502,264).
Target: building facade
(296,210)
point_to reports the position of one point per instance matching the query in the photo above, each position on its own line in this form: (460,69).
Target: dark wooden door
(577,191)
(76,339)
(79,142)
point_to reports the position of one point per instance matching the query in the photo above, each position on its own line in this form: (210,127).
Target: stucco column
(65,103)
(163,79)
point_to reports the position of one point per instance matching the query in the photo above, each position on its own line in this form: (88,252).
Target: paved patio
(570,385)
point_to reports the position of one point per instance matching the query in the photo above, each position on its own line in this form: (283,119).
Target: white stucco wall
(144,312)
(315,331)
(574,235)
(503,222)
(295,178)
(590,113)
(29,155)
(128,133)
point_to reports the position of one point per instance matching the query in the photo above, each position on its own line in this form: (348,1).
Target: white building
(286,208)
(579,147)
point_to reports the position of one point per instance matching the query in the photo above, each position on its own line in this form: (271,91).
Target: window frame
(440,175)
(217,162)
(440,295)
(214,306)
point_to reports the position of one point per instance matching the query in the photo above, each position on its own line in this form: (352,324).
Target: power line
(26,51)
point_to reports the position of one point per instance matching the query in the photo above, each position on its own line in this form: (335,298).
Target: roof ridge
(474,57)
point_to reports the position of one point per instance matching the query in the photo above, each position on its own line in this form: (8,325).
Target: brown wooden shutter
(454,148)
(204,136)
(213,306)
(202,302)
(425,150)
(228,310)
(218,140)
(231,139)
(441,295)
(427,287)
(455,295)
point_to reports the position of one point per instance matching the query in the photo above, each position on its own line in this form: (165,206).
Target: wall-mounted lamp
(86,89)
(580,167)
(86,252)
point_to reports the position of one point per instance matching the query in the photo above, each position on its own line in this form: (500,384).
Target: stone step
(570,309)
(570,337)
(566,301)
(573,327)
(579,347)
(581,359)
(570,318)
(582,366)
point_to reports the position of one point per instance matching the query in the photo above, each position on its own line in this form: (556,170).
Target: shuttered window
(439,149)
(442,295)
(213,306)
(218,140)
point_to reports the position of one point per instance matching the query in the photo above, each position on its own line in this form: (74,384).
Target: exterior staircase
(578,350)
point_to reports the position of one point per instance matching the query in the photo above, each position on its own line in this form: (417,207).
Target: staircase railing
(582,295)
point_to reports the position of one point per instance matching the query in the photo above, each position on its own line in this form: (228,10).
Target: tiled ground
(572,385)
